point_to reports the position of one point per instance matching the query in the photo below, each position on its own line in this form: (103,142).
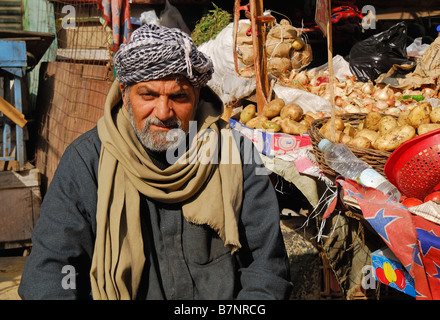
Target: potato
(435,115)
(394,138)
(349,130)
(248,113)
(312,114)
(273,108)
(256,123)
(367,133)
(427,127)
(271,126)
(276,120)
(279,64)
(403,117)
(292,111)
(420,114)
(307,120)
(276,48)
(386,124)
(372,120)
(339,123)
(326,131)
(360,142)
(346,139)
(293,127)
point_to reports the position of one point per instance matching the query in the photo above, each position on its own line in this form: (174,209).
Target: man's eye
(180,97)
(146,95)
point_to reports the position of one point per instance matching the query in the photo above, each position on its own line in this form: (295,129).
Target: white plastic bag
(170,17)
(225,81)
(416,49)
(306,100)
(149,17)
(341,68)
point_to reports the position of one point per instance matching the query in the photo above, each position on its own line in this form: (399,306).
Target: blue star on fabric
(416,256)
(351,193)
(379,222)
(436,275)
(427,240)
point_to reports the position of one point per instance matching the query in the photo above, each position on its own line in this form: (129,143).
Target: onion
(367,88)
(340,102)
(393,111)
(381,104)
(367,100)
(390,102)
(313,82)
(382,94)
(302,78)
(429,92)
(350,108)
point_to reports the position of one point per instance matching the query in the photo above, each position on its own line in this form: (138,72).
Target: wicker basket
(375,158)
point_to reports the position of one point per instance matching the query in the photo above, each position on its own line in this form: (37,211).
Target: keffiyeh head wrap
(155,52)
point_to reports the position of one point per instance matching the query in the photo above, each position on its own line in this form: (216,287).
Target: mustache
(170,123)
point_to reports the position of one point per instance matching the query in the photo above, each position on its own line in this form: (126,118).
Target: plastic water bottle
(342,160)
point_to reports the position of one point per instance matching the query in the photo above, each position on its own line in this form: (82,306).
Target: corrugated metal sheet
(11,14)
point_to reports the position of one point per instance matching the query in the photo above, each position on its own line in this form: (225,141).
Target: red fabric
(116,14)
(414,240)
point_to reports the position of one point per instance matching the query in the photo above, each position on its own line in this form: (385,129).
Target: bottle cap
(323,143)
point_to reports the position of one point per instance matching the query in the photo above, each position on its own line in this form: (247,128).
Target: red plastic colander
(414,167)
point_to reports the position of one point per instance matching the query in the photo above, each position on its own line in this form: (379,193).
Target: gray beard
(158,141)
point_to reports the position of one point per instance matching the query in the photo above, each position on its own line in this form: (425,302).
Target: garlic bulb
(382,94)
(367,87)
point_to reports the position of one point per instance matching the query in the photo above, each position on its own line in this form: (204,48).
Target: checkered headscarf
(155,52)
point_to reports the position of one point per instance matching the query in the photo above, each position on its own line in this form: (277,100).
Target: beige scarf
(210,193)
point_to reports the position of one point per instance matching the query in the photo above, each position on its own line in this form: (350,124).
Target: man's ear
(121,86)
(123,92)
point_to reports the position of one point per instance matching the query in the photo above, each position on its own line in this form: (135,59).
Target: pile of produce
(352,96)
(279,117)
(210,25)
(286,50)
(385,132)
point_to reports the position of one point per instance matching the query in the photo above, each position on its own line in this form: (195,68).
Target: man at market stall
(152,203)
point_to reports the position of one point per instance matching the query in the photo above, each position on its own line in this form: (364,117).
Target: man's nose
(163,110)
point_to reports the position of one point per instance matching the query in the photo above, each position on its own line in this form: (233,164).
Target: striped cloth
(155,52)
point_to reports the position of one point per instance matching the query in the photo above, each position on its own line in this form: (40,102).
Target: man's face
(158,106)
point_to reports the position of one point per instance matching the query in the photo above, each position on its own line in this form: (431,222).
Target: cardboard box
(271,144)
(388,270)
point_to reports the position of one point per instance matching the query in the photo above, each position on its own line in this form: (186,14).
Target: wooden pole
(258,41)
(330,69)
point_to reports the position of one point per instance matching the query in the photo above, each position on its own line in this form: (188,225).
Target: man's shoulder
(87,141)
(87,146)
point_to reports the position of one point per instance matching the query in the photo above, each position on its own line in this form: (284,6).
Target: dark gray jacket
(183,260)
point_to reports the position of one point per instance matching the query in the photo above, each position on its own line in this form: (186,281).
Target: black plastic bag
(377,54)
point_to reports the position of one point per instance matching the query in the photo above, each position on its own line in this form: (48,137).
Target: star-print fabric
(414,240)
(116,14)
